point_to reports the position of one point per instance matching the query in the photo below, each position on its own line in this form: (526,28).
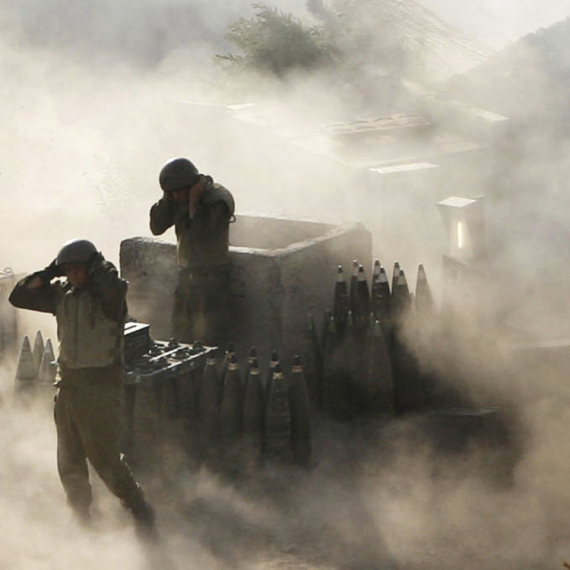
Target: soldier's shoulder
(218,193)
(106,272)
(108,267)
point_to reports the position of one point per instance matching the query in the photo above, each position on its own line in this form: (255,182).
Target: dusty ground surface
(379,495)
(397,494)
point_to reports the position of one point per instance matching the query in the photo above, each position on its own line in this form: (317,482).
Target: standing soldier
(200,211)
(90,309)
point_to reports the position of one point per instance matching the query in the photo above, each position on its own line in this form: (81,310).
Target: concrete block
(149,265)
(8,315)
(282,269)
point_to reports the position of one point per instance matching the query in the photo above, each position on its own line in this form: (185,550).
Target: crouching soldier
(90,309)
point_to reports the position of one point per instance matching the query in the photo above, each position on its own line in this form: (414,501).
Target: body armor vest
(88,338)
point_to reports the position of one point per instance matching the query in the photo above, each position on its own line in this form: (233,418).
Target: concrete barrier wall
(273,288)
(149,265)
(8,316)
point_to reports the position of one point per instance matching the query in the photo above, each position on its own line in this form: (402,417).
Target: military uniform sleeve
(217,193)
(219,216)
(162,216)
(41,298)
(220,206)
(109,289)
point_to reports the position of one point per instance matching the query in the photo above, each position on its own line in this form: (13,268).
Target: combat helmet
(75,251)
(178,173)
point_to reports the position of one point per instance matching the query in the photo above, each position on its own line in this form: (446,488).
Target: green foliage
(349,34)
(278,43)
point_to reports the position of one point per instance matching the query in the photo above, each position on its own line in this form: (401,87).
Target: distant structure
(427,142)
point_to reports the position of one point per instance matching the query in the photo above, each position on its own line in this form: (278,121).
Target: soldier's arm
(162,216)
(221,207)
(109,288)
(219,216)
(35,292)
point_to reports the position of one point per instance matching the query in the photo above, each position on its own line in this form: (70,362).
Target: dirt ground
(408,493)
(395,494)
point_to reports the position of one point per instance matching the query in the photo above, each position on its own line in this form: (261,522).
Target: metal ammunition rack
(165,361)
(150,362)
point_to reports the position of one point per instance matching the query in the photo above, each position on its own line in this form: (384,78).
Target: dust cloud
(87,121)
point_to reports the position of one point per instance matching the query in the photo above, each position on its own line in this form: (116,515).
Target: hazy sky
(498,23)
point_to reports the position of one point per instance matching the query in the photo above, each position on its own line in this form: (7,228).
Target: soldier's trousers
(89,420)
(202,308)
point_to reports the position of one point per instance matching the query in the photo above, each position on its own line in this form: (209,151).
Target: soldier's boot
(82,515)
(145,525)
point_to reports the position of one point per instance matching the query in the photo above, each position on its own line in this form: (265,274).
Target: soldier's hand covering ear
(96,262)
(51,271)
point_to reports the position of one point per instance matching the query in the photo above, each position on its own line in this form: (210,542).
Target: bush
(278,43)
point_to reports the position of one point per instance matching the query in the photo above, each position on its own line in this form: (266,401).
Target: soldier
(200,211)
(90,309)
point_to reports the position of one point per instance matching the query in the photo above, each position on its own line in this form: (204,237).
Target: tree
(278,43)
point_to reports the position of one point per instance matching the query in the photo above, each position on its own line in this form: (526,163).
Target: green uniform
(202,307)
(88,409)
